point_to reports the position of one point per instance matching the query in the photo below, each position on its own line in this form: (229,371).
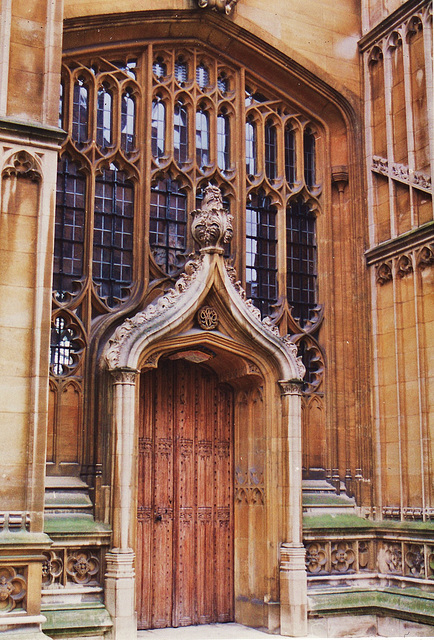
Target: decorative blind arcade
(199,131)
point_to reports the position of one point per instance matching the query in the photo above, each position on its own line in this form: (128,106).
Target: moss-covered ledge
(76,620)
(405,603)
(350,522)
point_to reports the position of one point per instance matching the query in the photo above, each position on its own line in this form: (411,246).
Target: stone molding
(211,228)
(405,264)
(402,173)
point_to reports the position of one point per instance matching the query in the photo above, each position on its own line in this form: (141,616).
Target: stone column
(293,578)
(120,576)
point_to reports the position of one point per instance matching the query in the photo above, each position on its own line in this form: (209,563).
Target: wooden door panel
(185,519)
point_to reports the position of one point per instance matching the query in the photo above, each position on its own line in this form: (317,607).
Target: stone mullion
(5,36)
(387,67)
(369,150)
(143,132)
(378,467)
(428,41)
(422,399)
(240,152)
(409,122)
(398,358)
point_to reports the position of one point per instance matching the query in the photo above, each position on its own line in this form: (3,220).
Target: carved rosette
(52,568)
(13,588)
(212,224)
(223,6)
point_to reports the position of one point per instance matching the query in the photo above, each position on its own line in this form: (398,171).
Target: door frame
(170,323)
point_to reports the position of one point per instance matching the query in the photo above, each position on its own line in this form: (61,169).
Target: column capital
(290,387)
(124,375)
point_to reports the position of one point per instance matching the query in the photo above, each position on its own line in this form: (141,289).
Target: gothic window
(158,135)
(113,234)
(104,118)
(301,260)
(69,226)
(168,222)
(80,112)
(146,132)
(261,251)
(309,158)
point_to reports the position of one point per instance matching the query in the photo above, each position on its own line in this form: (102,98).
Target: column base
(293,591)
(119,594)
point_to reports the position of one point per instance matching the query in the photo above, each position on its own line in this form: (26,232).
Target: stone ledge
(73,619)
(408,604)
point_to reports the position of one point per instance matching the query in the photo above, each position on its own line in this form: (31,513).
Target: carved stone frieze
(212,224)
(223,6)
(415,560)
(290,387)
(22,165)
(380,165)
(13,588)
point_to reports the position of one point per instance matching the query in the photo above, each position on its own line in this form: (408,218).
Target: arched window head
(113,235)
(223,141)
(223,83)
(251,162)
(66,345)
(261,252)
(202,138)
(270,150)
(168,224)
(128,121)
(290,157)
(158,132)
(104,118)
(180,132)
(309,158)
(301,260)
(80,112)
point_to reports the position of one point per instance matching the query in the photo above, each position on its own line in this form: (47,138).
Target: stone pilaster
(120,576)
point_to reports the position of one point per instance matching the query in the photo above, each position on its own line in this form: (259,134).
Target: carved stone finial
(211,226)
(224,6)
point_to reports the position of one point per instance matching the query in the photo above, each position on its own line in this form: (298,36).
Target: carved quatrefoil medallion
(207,318)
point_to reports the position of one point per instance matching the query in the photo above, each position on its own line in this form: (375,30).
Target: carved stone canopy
(224,6)
(211,226)
(204,275)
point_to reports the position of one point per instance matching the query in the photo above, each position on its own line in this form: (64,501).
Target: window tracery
(147,131)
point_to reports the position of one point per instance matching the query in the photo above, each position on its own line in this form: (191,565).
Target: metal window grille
(223,142)
(168,223)
(202,138)
(290,160)
(301,260)
(250,148)
(159,69)
(202,76)
(69,226)
(261,250)
(113,234)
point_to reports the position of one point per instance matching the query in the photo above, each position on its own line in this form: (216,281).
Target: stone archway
(171,324)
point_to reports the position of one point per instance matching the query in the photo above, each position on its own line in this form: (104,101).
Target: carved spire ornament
(224,6)
(212,224)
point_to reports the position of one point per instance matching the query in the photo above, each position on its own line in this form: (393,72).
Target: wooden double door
(185,498)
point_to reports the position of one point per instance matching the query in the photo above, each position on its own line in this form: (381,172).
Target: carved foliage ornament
(207,318)
(224,6)
(212,224)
